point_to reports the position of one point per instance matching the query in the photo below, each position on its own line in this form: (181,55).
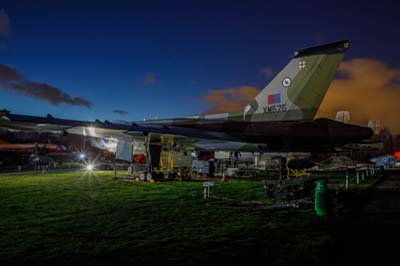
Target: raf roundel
(286,82)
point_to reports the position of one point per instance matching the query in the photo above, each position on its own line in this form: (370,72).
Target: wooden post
(114,167)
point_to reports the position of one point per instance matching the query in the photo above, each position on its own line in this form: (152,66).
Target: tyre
(148,176)
(130,170)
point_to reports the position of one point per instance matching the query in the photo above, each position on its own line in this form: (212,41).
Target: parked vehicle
(386,161)
(200,168)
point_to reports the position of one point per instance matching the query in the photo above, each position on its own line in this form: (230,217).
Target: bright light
(92,131)
(82,156)
(89,167)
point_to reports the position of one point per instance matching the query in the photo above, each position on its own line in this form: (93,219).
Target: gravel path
(371,234)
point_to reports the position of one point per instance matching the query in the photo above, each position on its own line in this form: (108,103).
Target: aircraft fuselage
(279,135)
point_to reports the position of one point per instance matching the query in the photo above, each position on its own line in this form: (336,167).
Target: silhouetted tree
(387,139)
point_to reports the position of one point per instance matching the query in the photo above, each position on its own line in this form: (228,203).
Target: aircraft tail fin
(298,90)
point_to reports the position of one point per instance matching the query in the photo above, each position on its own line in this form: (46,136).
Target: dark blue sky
(103,51)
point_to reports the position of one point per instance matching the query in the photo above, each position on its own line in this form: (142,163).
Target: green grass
(68,218)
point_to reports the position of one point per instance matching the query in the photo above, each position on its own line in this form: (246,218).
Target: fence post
(358,177)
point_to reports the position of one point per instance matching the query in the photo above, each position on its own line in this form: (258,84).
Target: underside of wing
(97,128)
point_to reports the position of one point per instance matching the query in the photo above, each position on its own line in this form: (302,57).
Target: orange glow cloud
(230,99)
(370,90)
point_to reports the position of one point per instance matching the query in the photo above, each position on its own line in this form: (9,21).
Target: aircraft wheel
(148,176)
(130,170)
(142,177)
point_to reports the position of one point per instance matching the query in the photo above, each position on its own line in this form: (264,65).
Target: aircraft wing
(96,128)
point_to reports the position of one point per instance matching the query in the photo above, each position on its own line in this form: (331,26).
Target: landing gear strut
(147,173)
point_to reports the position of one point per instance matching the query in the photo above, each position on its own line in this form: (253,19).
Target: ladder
(167,156)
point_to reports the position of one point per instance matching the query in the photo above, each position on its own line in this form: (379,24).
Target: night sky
(134,59)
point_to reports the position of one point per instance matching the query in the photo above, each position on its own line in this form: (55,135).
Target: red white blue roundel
(286,82)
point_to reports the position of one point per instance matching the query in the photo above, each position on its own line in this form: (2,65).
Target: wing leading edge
(96,128)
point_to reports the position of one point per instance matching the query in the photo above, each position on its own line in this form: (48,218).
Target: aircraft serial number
(275,108)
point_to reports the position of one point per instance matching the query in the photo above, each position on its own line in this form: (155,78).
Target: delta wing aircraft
(280,118)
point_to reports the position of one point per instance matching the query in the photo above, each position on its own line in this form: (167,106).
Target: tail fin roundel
(298,90)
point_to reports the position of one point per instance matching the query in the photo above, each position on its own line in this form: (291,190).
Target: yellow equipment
(297,173)
(167,156)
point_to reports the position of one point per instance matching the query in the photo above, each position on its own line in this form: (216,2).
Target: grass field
(68,218)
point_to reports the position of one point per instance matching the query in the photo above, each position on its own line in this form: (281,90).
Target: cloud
(369,89)
(8,73)
(149,79)
(5,27)
(267,72)
(12,80)
(120,112)
(230,99)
